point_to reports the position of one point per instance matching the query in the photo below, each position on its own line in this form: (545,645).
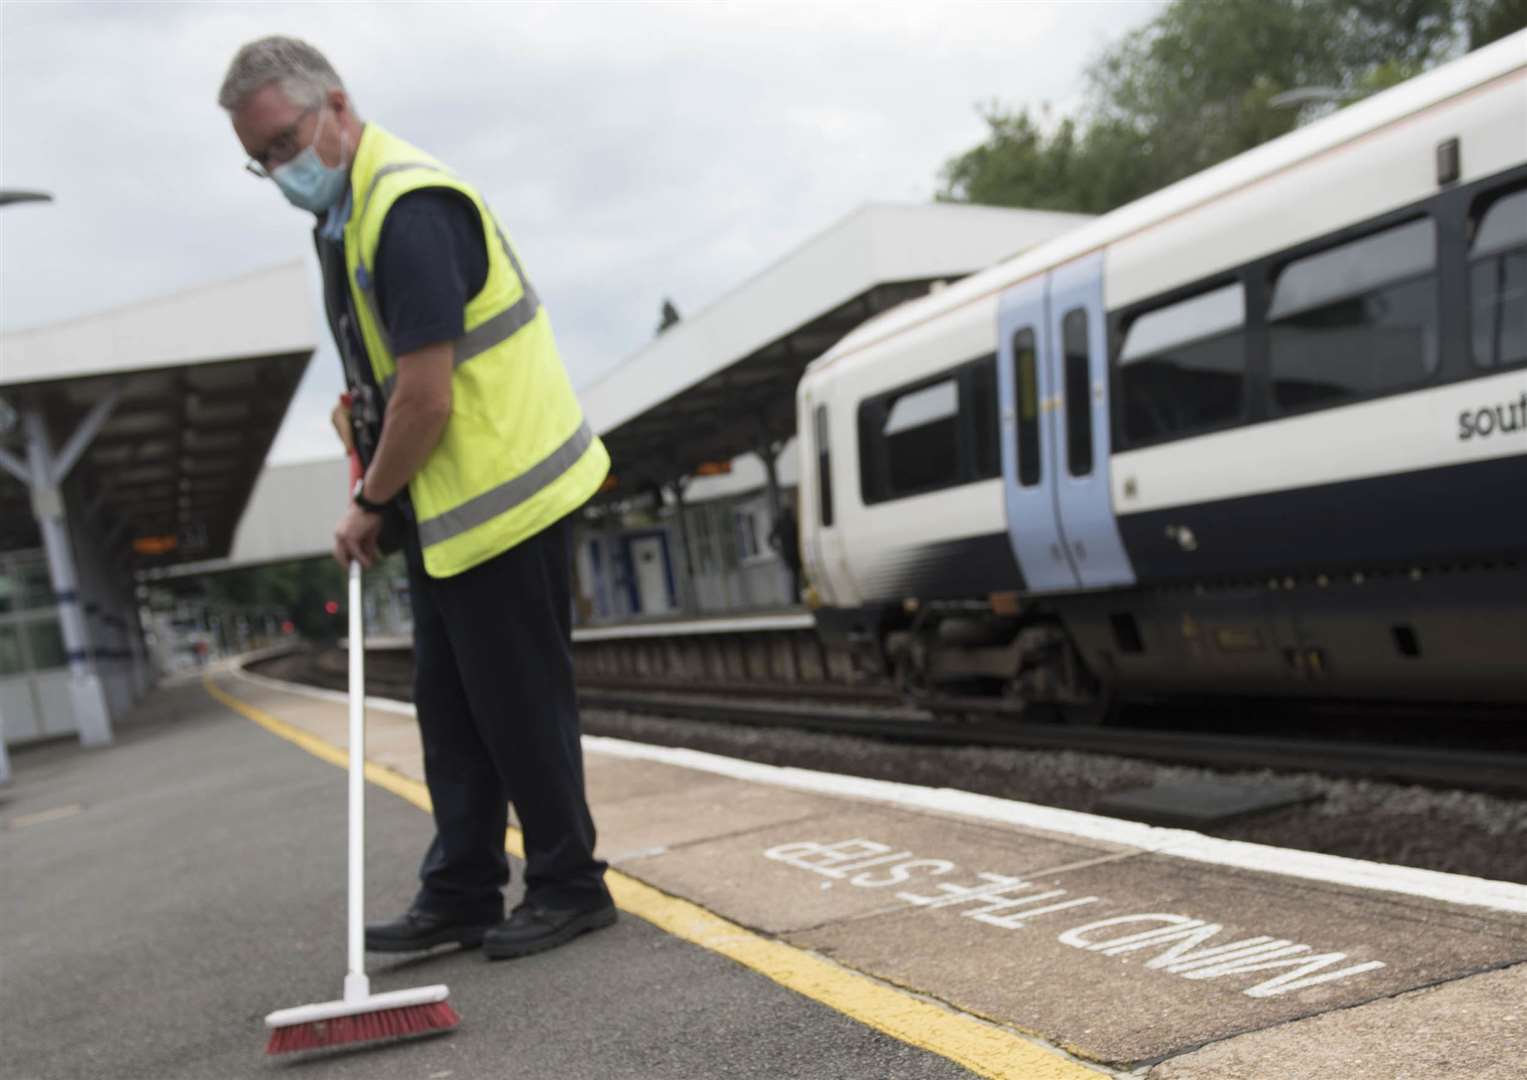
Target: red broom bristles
(364,1027)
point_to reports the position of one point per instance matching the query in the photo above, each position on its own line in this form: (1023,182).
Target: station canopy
(721,383)
(188,392)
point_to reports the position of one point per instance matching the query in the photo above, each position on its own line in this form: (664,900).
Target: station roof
(722,382)
(202,380)
(291,515)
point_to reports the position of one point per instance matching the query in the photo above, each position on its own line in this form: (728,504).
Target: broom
(360,1016)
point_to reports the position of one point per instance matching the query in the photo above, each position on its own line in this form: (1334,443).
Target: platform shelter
(129,441)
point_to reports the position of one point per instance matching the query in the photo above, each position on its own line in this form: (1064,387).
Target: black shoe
(415,930)
(533,928)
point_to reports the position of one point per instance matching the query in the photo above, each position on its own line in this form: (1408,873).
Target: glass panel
(11,662)
(1498,319)
(1503,226)
(921,436)
(1498,284)
(1330,340)
(824,468)
(1204,316)
(926,406)
(1183,366)
(983,414)
(1354,269)
(1078,392)
(1026,384)
(704,542)
(47,645)
(36,588)
(747,535)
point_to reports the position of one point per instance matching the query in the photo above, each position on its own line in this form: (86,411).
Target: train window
(1073,333)
(1026,384)
(931,435)
(824,468)
(1183,366)
(982,389)
(921,439)
(1357,319)
(1498,283)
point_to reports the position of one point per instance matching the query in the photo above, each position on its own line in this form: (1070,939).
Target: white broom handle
(355,980)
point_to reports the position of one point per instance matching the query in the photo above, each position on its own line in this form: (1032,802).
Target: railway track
(877,713)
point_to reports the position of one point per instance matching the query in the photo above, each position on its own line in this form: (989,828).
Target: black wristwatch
(358,495)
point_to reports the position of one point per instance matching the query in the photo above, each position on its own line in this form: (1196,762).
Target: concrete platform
(159,897)
(991,938)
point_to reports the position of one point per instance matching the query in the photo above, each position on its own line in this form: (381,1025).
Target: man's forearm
(417,413)
(410,433)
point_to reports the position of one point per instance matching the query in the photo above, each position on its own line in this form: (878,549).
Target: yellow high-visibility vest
(517,454)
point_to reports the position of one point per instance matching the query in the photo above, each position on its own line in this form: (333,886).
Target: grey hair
(304,73)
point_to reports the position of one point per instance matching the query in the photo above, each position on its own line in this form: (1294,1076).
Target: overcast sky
(632,151)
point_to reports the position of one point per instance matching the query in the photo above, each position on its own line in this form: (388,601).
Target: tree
(297,589)
(1197,85)
(1491,20)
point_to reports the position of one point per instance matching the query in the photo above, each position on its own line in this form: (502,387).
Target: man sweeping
(476,451)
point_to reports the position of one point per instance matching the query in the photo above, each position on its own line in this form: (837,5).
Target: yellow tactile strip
(983,1048)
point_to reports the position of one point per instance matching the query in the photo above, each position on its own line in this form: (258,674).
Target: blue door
(1026,389)
(1078,367)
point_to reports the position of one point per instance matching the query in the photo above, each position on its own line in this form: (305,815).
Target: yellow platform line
(981,1047)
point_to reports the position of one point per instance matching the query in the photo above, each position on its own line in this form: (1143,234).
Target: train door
(652,574)
(1027,390)
(827,505)
(1078,368)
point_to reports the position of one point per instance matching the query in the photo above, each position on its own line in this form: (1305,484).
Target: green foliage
(295,590)
(1197,85)
(1491,20)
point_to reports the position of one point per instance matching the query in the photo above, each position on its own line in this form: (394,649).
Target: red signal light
(331,607)
(288,626)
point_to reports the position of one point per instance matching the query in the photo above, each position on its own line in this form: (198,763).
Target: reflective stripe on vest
(507,496)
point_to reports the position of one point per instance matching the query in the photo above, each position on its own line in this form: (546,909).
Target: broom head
(394,1015)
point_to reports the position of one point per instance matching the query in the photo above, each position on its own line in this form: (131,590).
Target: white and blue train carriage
(1261,432)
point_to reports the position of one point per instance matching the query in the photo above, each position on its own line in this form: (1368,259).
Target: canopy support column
(46,474)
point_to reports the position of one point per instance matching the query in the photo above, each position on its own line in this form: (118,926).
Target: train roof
(1470,72)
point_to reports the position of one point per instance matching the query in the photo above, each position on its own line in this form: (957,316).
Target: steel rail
(873,716)
(1499,773)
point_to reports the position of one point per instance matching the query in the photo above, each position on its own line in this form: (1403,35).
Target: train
(1260,433)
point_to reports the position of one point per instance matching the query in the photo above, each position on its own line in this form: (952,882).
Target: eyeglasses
(281,149)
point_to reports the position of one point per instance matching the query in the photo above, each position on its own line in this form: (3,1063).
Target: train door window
(1355,320)
(1073,335)
(824,468)
(981,388)
(1026,390)
(921,439)
(1498,282)
(1182,368)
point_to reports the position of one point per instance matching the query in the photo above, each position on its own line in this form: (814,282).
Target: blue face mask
(307,182)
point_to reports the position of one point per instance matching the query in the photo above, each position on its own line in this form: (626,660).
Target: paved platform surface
(199,878)
(159,897)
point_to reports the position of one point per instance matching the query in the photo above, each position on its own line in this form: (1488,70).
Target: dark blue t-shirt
(431,259)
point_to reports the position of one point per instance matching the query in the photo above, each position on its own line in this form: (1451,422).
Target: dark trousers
(498,717)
